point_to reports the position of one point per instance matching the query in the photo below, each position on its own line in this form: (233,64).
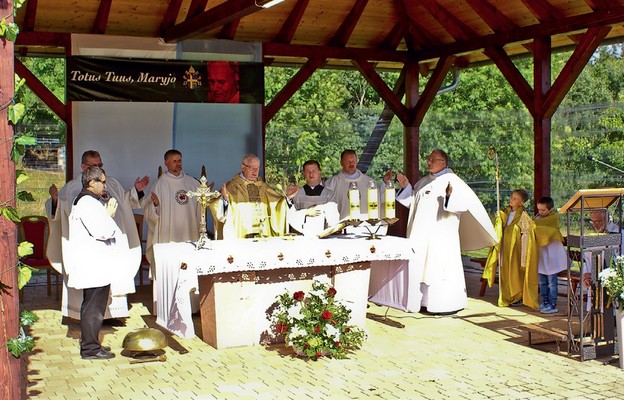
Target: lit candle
(354,201)
(390,198)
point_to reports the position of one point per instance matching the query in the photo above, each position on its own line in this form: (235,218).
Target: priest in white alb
(446,217)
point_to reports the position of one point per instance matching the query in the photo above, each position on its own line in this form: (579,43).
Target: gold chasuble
(255,209)
(518,278)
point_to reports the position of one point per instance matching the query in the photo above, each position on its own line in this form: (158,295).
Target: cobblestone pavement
(479,353)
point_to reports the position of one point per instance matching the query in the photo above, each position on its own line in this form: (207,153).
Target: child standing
(517,252)
(553,257)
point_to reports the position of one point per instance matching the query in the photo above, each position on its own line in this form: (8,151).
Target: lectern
(591,320)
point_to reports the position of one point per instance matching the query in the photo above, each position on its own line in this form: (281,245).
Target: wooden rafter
(416,37)
(43,39)
(341,37)
(101,19)
(495,19)
(289,27)
(597,4)
(171,15)
(291,87)
(393,38)
(392,100)
(229,30)
(542,10)
(48,98)
(197,7)
(339,53)
(579,58)
(594,19)
(456,28)
(226,12)
(31,16)
(431,89)
(513,76)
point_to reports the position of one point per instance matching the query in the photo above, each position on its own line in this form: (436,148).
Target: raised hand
(111,207)
(224,192)
(403,181)
(141,183)
(387,176)
(53,193)
(292,191)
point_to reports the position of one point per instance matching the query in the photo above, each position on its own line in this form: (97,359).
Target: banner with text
(153,80)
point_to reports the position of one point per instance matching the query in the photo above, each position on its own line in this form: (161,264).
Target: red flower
(326,315)
(317,329)
(331,292)
(281,327)
(318,354)
(347,330)
(305,346)
(298,295)
(337,344)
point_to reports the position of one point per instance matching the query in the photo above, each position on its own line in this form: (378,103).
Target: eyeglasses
(435,159)
(100,165)
(103,182)
(253,169)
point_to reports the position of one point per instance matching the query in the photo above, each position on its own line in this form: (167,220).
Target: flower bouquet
(612,279)
(315,325)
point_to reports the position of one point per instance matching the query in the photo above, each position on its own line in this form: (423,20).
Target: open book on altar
(592,199)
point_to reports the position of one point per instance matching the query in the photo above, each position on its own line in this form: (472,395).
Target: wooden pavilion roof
(384,32)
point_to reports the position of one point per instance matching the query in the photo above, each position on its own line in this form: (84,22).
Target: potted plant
(316,324)
(612,279)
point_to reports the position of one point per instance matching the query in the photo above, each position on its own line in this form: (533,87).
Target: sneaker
(543,306)
(549,310)
(516,304)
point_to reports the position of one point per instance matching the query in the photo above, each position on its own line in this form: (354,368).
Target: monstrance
(204,197)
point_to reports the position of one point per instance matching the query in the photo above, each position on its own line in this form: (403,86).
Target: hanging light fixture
(267,4)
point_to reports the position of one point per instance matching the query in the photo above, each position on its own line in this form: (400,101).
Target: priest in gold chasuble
(249,207)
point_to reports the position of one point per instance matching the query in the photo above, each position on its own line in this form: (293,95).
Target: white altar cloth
(174,286)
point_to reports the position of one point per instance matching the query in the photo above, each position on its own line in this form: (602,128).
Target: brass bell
(144,340)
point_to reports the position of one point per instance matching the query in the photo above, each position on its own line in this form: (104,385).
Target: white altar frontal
(235,283)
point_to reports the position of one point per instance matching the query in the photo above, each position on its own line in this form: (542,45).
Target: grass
(38,185)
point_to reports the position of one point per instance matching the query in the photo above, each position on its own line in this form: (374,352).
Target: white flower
(331,330)
(295,332)
(607,273)
(294,311)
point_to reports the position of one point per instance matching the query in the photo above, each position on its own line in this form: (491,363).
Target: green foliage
(22,343)
(316,324)
(24,249)
(612,279)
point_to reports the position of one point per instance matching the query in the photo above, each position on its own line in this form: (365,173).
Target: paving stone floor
(479,353)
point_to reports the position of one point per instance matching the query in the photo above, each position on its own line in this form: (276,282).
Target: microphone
(592,158)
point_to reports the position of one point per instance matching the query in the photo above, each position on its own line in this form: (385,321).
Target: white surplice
(127,200)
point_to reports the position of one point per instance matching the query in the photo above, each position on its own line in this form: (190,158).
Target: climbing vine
(22,342)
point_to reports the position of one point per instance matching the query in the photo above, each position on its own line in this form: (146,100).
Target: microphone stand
(592,158)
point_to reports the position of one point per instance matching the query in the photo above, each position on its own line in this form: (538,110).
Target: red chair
(34,229)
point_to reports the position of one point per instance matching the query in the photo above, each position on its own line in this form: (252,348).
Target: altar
(235,283)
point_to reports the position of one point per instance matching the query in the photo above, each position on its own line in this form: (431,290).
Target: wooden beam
(289,27)
(30,17)
(197,7)
(46,39)
(34,84)
(171,15)
(345,31)
(416,37)
(391,99)
(542,10)
(541,123)
(393,38)
(101,18)
(495,19)
(339,53)
(431,89)
(291,87)
(573,68)
(453,25)
(229,30)
(381,127)
(613,16)
(513,76)
(226,12)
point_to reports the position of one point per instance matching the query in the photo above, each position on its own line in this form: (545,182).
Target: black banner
(153,80)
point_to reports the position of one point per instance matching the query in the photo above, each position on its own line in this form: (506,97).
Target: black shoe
(106,348)
(516,304)
(100,355)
